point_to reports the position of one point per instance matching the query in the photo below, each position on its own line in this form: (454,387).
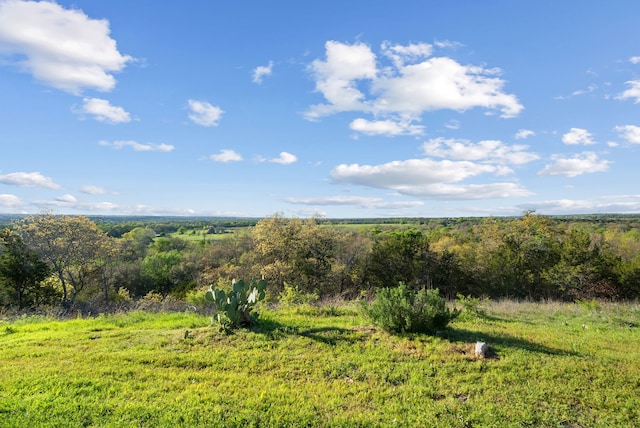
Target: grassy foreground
(548,365)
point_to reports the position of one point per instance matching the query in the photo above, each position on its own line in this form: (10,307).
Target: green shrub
(402,310)
(291,295)
(471,307)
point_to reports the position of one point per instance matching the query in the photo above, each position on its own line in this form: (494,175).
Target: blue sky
(333,108)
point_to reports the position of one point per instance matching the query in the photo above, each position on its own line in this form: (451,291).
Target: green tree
(72,246)
(517,255)
(21,269)
(401,256)
(295,252)
(161,271)
(133,244)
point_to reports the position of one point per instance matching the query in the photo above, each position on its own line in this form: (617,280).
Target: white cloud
(100,206)
(10,201)
(631,133)
(285,158)
(138,147)
(360,201)
(633,92)
(453,124)
(400,55)
(492,151)
(578,136)
(205,114)
(261,71)
(69,202)
(634,60)
(414,83)
(336,78)
(448,44)
(385,127)
(524,133)
(95,190)
(584,163)
(428,178)
(442,83)
(103,111)
(591,88)
(226,155)
(28,179)
(63,48)
(67,199)
(606,204)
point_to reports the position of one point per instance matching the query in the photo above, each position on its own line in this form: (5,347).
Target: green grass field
(549,365)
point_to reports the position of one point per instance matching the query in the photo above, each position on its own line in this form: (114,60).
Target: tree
(349,264)
(295,252)
(162,271)
(20,268)
(402,256)
(72,246)
(133,244)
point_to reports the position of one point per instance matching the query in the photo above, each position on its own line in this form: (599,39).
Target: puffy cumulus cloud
(350,79)
(359,201)
(205,114)
(103,111)
(630,133)
(95,190)
(10,201)
(583,163)
(634,60)
(138,147)
(285,158)
(261,71)
(428,178)
(491,151)
(389,128)
(633,92)
(63,48)
(578,136)
(442,83)
(524,133)
(337,78)
(28,179)
(226,155)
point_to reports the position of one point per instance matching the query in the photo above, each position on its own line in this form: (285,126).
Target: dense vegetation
(549,365)
(150,358)
(94,265)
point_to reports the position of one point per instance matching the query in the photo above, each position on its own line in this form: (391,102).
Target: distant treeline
(94,263)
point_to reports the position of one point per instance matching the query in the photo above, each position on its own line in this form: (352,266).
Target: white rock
(481,349)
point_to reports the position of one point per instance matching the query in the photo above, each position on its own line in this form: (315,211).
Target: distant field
(549,365)
(199,235)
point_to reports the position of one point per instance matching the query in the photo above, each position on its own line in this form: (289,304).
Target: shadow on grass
(275,330)
(332,336)
(502,341)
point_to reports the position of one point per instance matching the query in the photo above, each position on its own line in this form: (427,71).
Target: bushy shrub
(402,310)
(292,295)
(471,307)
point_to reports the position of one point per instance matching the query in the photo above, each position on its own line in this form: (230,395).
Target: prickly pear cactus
(234,307)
